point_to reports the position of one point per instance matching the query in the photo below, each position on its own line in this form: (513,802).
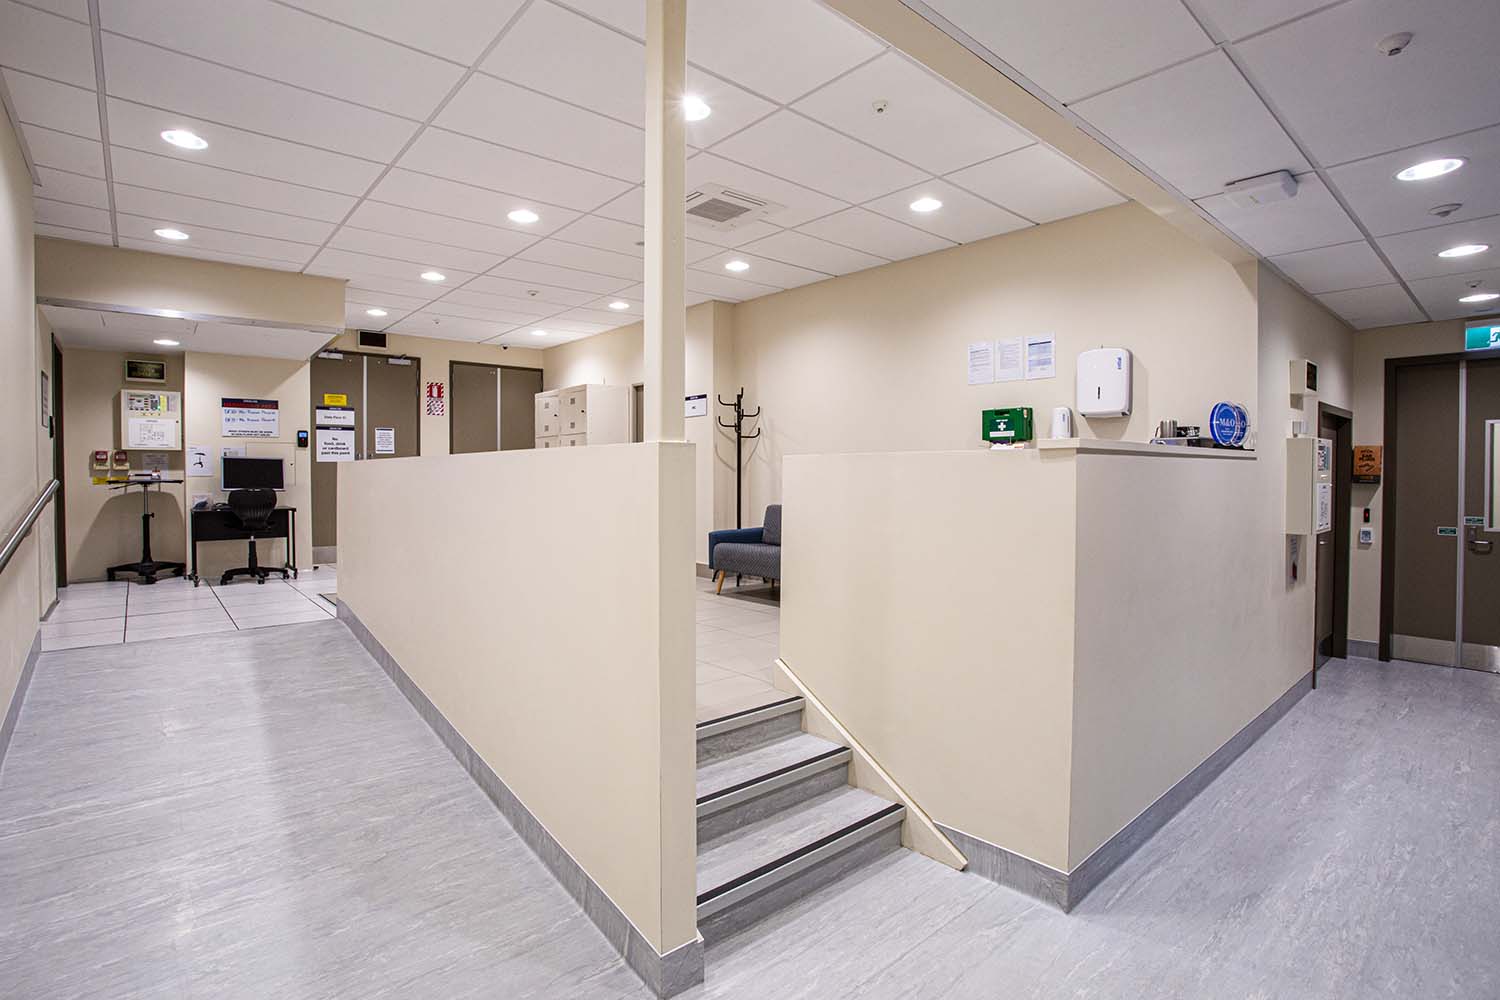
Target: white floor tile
(93,587)
(140,633)
(288,617)
(196,616)
(87,612)
(93,626)
(79,641)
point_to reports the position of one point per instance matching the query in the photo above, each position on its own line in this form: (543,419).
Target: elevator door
(1445,575)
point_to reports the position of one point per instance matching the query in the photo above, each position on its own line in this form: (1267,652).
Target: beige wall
(616,358)
(103,524)
(928,603)
(208,379)
(46,526)
(20,602)
(434,356)
(83,272)
(590,727)
(1371,349)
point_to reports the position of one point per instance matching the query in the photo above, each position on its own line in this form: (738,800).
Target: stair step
(762,865)
(747,786)
(750,727)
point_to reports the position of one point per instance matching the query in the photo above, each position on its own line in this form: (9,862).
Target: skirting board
(666,975)
(13,711)
(1363,648)
(1067,889)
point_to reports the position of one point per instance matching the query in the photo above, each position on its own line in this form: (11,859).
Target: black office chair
(253,509)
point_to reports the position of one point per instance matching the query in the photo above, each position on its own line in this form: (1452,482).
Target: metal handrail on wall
(13,541)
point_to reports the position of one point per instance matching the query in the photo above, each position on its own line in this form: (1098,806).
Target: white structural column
(666,321)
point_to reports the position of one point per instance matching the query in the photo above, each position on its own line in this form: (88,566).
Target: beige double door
(491,407)
(1445,572)
(385,396)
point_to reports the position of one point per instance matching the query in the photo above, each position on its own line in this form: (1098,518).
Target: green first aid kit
(1011,425)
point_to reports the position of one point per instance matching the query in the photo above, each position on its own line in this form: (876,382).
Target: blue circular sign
(1224,424)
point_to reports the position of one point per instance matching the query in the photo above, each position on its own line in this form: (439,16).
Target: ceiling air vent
(723,209)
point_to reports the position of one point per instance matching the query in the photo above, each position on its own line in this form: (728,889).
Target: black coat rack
(740,416)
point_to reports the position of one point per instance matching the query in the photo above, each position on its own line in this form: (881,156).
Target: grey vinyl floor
(260,814)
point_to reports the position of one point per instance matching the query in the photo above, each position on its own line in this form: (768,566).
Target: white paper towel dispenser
(1104,382)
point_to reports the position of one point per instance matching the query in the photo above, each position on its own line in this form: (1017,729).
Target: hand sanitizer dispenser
(1104,383)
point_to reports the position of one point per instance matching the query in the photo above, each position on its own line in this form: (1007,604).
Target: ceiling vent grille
(723,209)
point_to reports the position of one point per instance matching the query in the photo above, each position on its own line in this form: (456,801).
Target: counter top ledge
(1098,446)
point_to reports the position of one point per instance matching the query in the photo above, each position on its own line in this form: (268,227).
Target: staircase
(776,816)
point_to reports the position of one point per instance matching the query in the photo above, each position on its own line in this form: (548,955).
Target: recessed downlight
(1481,297)
(434,276)
(695,108)
(165,342)
(183,139)
(375,312)
(736,266)
(926,204)
(523,216)
(171,234)
(619,306)
(1428,169)
(539,333)
(1464,250)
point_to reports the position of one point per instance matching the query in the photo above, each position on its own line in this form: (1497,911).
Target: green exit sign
(1482,336)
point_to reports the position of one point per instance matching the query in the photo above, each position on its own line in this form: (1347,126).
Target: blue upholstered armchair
(748,551)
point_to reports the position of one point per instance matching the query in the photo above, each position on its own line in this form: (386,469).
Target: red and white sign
(436,399)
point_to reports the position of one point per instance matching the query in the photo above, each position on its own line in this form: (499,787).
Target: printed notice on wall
(981,363)
(1010,365)
(250,418)
(1041,357)
(197,461)
(335,416)
(385,440)
(151,432)
(695,405)
(335,444)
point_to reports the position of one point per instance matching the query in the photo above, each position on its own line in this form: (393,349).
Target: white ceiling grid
(1201,93)
(375,141)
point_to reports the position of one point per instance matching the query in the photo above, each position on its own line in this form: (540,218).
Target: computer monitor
(252,474)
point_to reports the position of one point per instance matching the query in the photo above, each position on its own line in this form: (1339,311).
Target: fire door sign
(436,399)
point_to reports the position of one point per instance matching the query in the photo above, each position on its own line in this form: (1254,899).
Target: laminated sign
(435,399)
(250,418)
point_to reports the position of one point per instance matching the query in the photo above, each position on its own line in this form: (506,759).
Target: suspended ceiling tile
(963,218)
(522,289)
(1346,100)
(503,113)
(255,341)
(606,317)
(1073,48)
(1037,183)
(482,164)
(1415,254)
(385,300)
(503,318)
(1386,205)
(875,234)
(454,29)
(204,253)
(37,42)
(524,305)
(1335,268)
(140,128)
(400,270)
(1199,126)
(149,75)
(184,212)
(800,203)
(292,46)
(202,181)
(1235,19)
(1364,308)
(816,157)
(606,234)
(58,213)
(75,189)
(409,223)
(421,252)
(721,286)
(812,253)
(1439,296)
(560,277)
(1312,218)
(76,235)
(631,206)
(77,10)
(925,121)
(465,202)
(204,238)
(63,151)
(763,270)
(586,258)
(74,110)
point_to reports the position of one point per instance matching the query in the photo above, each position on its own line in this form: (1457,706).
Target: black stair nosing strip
(815,758)
(749,711)
(791,856)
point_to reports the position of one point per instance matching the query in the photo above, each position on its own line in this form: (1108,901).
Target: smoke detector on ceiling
(1267,189)
(723,209)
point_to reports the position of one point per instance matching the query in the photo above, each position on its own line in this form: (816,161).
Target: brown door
(1333,546)
(393,397)
(1481,528)
(473,408)
(518,389)
(336,375)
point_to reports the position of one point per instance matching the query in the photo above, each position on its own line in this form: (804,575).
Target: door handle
(1477,545)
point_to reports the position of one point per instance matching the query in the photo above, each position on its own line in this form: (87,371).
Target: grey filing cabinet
(583,415)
